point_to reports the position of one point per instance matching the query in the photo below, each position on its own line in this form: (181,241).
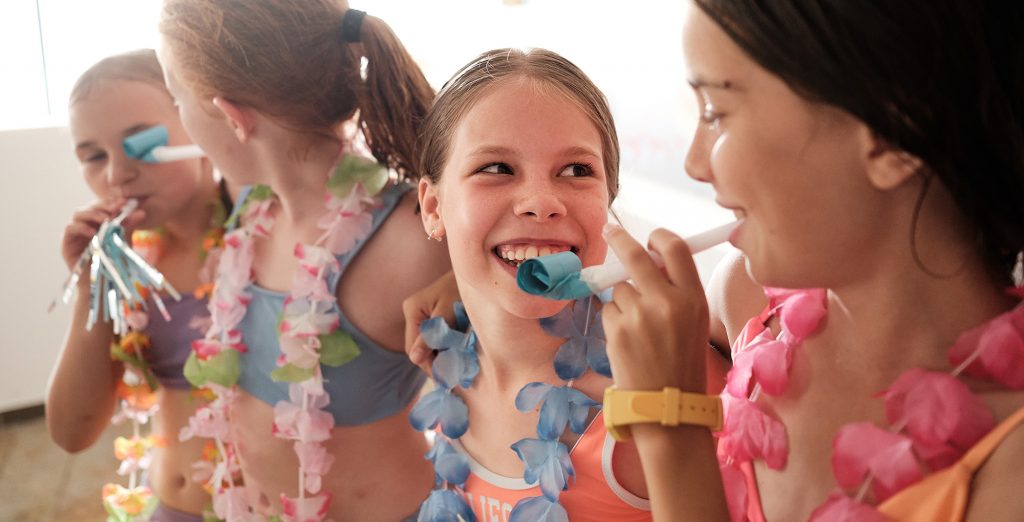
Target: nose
(540,203)
(121,169)
(698,158)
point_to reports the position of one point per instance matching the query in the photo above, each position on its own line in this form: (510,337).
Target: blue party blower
(561,276)
(150,146)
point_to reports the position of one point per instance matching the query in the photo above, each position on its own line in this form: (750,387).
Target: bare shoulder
(733,297)
(995,494)
(397,262)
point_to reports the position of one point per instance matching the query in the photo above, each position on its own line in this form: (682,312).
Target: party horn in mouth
(561,276)
(150,146)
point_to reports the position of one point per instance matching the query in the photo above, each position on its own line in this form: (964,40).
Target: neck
(297,174)
(905,318)
(192,222)
(512,350)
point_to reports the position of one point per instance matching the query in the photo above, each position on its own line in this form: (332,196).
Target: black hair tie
(352,24)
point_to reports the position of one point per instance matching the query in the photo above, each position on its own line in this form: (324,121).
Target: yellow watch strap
(669,407)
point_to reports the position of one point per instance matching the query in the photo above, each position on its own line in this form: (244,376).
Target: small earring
(435,234)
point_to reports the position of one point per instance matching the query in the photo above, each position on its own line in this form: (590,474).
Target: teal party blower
(150,146)
(562,277)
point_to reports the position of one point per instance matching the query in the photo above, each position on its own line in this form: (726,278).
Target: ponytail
(394,99)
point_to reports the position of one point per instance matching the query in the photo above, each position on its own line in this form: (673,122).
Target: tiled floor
(41,482)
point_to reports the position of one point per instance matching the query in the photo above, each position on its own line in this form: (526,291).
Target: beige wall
(41,187)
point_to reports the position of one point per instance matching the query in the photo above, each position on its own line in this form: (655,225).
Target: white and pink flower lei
(933,417)
(309,337)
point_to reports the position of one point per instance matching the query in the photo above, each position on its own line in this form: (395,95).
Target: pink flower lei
(933,417)
(308,335)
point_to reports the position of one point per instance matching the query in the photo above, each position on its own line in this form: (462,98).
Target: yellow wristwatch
(669,407)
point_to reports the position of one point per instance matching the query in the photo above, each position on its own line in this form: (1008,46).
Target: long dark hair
(940,79)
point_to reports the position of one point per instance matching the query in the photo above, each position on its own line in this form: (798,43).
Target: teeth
(515,254)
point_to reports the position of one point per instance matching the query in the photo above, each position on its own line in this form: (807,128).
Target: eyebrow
(497,150)
(127,132)
(702,83)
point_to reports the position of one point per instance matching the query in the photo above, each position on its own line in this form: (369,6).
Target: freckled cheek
(591,219)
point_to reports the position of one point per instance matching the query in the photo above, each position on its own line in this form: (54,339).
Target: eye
(576,170)
(496,168)
(96,157)
(711,117)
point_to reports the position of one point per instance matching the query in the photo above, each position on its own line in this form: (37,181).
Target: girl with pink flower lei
(97,371)
(311,104)
(874,154)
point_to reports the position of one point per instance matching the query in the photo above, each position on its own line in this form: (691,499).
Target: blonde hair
(134,66)
(289,61)
(491,68)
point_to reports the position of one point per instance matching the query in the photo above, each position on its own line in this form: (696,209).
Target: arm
(80,397)
(658,334)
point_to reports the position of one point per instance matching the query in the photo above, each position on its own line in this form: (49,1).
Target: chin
(527,306)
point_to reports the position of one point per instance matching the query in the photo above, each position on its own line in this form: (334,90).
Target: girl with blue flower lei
(520,159)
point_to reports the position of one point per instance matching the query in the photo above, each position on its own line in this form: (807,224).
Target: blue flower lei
(546,458)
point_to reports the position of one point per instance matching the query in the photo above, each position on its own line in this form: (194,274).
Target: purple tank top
(171,341)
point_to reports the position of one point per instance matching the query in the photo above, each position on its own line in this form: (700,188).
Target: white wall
(41,186)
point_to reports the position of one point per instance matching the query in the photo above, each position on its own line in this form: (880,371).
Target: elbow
(70,437)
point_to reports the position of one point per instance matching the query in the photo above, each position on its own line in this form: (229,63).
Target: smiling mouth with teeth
(514,255)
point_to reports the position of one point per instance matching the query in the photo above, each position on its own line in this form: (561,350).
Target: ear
(430,208)
(239,118)
(887,166)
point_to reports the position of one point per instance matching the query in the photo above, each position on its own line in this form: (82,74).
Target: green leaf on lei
(135,361)
(192,372)
(337,348)
(291,373)
(352,169)
(257,193)
(222,369)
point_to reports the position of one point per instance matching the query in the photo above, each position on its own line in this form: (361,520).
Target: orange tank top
(939,497)
(944,495)
(594,495)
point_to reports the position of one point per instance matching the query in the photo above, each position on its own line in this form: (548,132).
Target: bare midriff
(379,471)
(170,475)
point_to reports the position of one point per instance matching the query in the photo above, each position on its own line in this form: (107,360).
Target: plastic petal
(538,509)
(999,344)
(597,356)
(308,509)
(560,324)
(444,408)
(455,367)
(750,434)
(802,312)
(771,366)
(445,505)
(438,335)
(863,447)
(937,408)
(450,465)
(571,359)
(547,461)
(531,395)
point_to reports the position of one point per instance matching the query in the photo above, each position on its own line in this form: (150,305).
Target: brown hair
(135,66)
(289,61)
(501,65)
